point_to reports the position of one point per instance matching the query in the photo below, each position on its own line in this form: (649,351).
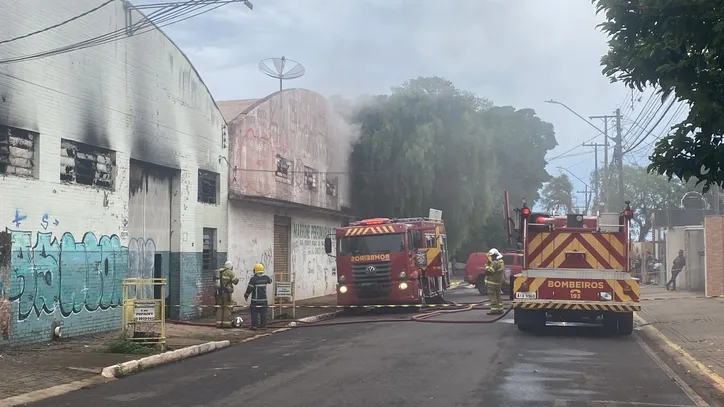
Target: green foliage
(677,46)
(126,346)
(557,195)
(431,145)
(647,193)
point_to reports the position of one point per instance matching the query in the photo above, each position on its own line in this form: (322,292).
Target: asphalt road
(405,364)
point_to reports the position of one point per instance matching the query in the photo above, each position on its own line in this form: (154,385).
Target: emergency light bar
(368,222)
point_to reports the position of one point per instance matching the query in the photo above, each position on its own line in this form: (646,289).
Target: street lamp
(555,102)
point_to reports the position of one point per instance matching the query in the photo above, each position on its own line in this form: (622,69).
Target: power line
(673,100)
(644,133)
(163,15)
(59,24)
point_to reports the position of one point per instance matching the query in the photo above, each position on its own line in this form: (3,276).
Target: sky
(513,52)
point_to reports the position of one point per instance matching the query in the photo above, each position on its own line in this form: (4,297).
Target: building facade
(113,164)
(287,187)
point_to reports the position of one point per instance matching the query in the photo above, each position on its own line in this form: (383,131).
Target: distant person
(257,290)
(676,267)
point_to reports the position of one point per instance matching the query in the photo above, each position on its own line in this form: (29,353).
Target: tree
(557,195)
(430,144)
(521,141)
(676,46)
(424,147)
(647,193)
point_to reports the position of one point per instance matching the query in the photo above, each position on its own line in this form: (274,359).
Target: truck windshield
(372,244)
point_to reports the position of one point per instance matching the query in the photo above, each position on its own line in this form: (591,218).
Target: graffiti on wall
(300,133)
(61,276)
(250,252)
(311,266)
(141,263)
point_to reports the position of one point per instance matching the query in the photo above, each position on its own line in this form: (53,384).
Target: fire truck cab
(386,261)
(575,269)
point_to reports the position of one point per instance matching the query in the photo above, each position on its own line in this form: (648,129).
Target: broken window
(331,184)
(209,250)
(208,187)
(310,177)
(283,167)
(86,164)
(17,151)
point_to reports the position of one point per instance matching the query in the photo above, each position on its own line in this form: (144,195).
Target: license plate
(525,296)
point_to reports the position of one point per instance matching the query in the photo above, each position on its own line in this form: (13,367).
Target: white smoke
(347,134)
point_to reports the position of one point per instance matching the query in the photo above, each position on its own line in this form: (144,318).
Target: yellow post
(145,314)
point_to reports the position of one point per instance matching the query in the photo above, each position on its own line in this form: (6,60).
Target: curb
(38,395)
(134,366)
(678,354)
(317,318)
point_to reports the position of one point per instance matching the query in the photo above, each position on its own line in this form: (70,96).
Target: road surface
(405,364)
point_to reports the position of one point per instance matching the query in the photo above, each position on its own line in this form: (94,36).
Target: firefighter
(493,279)
(224,304)
(257,290)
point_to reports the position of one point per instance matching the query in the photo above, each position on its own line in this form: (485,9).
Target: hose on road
(424,317)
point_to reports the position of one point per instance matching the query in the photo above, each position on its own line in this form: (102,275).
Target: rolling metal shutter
(282,239)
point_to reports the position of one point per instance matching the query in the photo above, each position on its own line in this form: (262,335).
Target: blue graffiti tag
(65,275)
(44,222)
(18,218)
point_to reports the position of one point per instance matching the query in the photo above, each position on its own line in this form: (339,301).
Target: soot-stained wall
(91,142)
(290,146)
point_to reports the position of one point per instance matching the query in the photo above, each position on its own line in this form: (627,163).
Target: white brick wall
(315,273)
(139,97)
(251,241)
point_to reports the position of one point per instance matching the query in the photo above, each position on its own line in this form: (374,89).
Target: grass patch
(126,346)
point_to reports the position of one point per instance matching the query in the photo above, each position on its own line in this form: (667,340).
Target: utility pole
(586,193)
(605,187)
(618,155)
(596,185)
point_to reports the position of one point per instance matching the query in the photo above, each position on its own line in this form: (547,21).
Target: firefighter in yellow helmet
(257,290)
(225,287)
(493,279)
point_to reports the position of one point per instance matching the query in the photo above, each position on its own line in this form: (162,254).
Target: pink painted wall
(300,128)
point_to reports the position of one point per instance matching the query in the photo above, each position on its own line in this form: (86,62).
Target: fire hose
(425,317)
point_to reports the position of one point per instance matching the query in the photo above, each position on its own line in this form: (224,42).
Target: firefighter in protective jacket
(494,271)
(257,290)
(224,303)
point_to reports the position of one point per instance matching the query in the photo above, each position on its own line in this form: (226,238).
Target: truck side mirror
(416,240)
(328,244)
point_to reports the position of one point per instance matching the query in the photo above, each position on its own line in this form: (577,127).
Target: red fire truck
(575,269)
(385,261)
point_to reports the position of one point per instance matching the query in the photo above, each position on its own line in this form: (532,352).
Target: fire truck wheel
(610,323)
(625,323)
(529,320)
(480,285)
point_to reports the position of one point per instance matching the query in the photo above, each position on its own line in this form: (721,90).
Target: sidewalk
(694,323)
(32,367)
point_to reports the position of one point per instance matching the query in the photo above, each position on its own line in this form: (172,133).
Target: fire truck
(386,261)
(575,269)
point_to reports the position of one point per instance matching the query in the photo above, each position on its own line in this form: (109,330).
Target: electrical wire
(673,100)
(79,16)
(155,20)
(675,117)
